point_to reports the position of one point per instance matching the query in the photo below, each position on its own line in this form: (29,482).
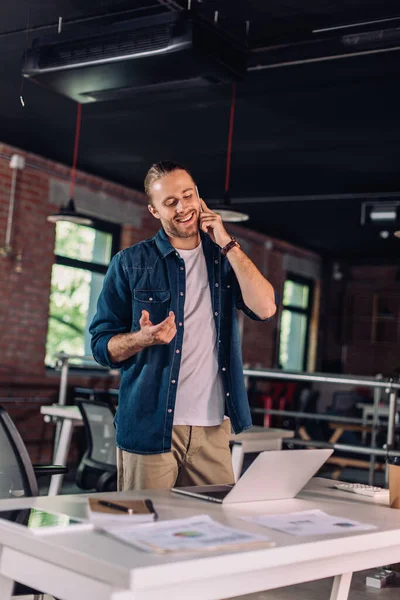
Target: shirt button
(182,269)
(173,381)
(176,254)
(170,410)
(177,351)
(227,393)
(216,285)
(181,293)
(180,323)
(216,314)
(224,368)
(216,262)
(228,286)
(150,299)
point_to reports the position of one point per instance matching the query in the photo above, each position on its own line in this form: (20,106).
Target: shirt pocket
(156,302)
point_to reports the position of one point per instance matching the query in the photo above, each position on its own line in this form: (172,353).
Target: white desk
(88,564)
(368,411)
(256,439)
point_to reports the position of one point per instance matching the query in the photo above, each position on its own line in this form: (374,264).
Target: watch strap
(229,246)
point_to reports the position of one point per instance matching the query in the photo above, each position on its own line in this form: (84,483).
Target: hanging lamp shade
(69,213)
(227,214)
(224,209)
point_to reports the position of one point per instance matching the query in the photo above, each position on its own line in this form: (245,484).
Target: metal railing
(378,383)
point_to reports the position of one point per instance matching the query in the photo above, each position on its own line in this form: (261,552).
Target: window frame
(307,312)
(99,225)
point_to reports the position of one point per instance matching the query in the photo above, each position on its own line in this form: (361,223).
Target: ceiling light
(224,209)
(231,216)
(69,213)
(380,213)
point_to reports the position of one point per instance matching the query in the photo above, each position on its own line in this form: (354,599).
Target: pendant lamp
(69,212)
(224,210)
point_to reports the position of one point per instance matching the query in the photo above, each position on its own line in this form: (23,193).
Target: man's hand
(211,223)
(150,335)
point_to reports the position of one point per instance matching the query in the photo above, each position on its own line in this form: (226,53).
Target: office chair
(98,466)
(345,403)
(18,475)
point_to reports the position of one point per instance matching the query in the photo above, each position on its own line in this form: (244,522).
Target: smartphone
(198,195)
(42,521)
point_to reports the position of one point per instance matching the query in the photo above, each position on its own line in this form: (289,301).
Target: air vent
(103,49)
(89,63)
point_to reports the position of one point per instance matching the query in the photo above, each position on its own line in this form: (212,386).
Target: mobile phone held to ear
(198,195)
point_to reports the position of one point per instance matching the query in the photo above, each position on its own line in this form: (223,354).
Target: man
(167,318)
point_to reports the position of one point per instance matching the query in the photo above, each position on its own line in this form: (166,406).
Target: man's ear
(153,211)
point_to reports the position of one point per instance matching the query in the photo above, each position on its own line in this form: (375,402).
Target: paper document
(181,535)
(309,522)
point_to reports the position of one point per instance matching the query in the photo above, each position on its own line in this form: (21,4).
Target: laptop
(273,475)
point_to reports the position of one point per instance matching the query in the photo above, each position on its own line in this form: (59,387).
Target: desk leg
(61,456)
(237,460)
(341,587)
(6,587)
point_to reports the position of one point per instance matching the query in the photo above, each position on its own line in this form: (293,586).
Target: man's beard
(173,230)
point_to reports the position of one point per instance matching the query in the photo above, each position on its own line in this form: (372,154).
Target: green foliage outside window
(74,289)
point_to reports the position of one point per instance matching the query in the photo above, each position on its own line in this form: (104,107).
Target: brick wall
(350,317)
(25,285)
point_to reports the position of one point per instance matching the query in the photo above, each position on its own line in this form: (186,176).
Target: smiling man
(167,318)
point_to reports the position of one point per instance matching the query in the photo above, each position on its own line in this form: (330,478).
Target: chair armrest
(49,470)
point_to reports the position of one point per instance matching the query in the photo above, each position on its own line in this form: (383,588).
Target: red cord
(76,145)
(230,135)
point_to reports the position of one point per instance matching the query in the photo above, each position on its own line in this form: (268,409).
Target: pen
(151,508)
(124,509)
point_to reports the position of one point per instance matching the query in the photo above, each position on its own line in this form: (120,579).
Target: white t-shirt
(199,398)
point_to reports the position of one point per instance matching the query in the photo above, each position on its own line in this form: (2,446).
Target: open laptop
(274,475)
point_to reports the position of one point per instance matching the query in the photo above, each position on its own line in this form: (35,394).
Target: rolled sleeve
(113,314)
(240,305)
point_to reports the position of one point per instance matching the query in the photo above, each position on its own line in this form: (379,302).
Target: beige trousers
(199,456)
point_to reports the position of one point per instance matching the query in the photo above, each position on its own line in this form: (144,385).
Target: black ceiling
(310,140)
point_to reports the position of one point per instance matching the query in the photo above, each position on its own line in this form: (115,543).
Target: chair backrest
(17,477)
(344,403)
(98,418)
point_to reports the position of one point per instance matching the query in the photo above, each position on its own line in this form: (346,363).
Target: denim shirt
(151,276)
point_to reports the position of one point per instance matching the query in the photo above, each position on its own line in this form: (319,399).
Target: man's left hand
(211,223)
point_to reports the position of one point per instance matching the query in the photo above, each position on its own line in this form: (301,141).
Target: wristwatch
(229,246)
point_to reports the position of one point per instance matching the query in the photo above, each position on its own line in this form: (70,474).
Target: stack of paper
(309,522)
(194,534)
(103,512)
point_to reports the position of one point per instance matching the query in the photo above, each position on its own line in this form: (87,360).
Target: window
(294,326)
(82,255)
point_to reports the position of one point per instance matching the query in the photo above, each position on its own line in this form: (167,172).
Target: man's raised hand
(162,333)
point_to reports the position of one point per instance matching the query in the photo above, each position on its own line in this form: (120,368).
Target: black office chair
(18,475)
(98,466)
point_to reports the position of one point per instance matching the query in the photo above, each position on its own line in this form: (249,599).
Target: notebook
(106,511)
(274,475)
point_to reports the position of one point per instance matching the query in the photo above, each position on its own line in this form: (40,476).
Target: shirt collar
(165,247)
